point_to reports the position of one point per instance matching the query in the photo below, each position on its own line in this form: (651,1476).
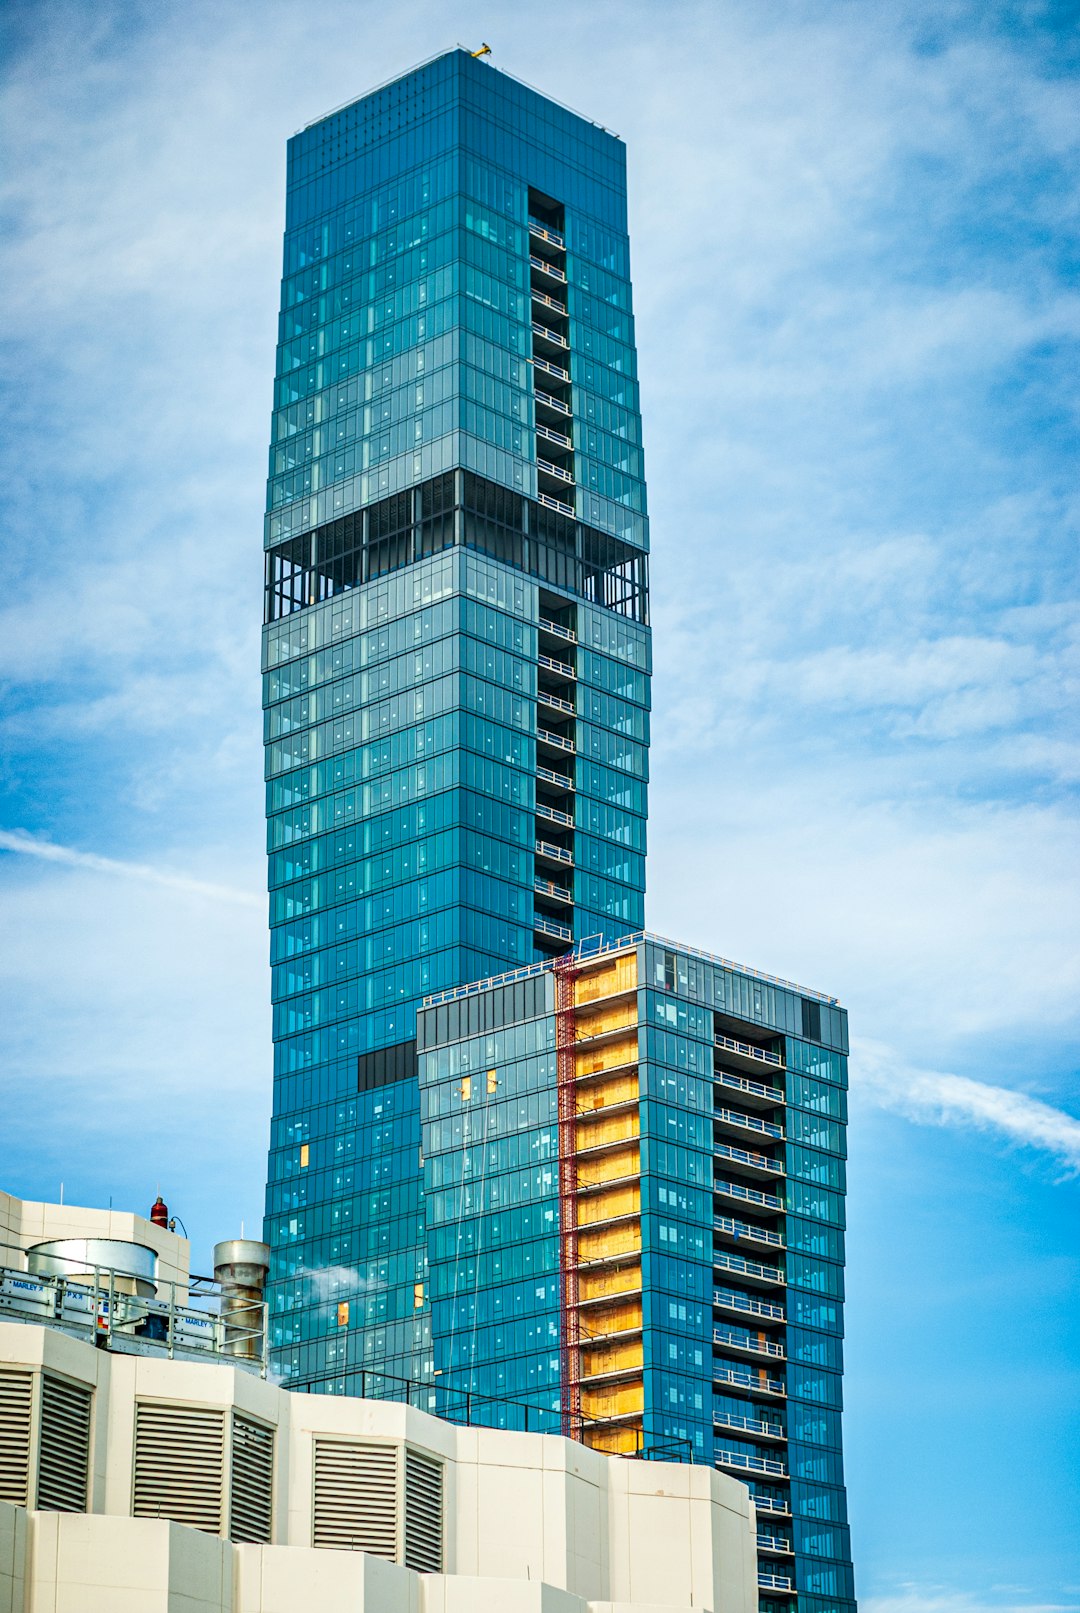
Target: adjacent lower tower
(456,661)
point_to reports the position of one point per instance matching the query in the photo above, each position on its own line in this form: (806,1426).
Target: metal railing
(548,434)
(735,1190)
(750,1268)
(774,1582)
(177,1319)
(551,236)
(561,932)
(549,335)
(555,503)
(735,1117)
(755,1089)
(743,1156)
(749,1050)
(562,781)
(544,848)
(551,469)
(550,368)
(553,815)
(735,1340)
(556,702)
(550,399)
(743,1229)
(749,1380)
(548,887)
(752,1464)
(760,1426)
(549,302)
(731,1300)
(775,1543)
(563,668)
(546,268)
(559,631)
(556,740)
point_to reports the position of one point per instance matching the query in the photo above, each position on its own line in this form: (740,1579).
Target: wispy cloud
(28,845)
(941,1599)
(936,1098)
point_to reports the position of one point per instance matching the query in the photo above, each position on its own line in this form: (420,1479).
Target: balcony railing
(553,815)
(752,1464)
(560,781)
(742,1156)
(548,887)
(559,438)
(561,932)
(558,854)
(749,1268)
(554,504)
(776,1509)
(760,1427)
(546,268)
(774,1582)
(776,1544)
(562,668)
(749,1123)
(551,469)
(546,334)
(552,237)
(735,1190)
(749,1380)
(549,302)
(556,740)
(755,1089)
(556,702)
(548,398)
(549,368)
(743,1229)
(749,1051)
(729,1300)
(559,631)
(735,1339)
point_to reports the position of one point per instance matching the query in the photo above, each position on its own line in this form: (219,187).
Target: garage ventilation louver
(252,1481)
(15,1398)
(179,1465)
(64,1460)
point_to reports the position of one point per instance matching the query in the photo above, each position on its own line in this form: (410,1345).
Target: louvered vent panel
(423,1513)
(356,1497)
(252,1481)
(64,1458)
(179,1463)
(15,1398)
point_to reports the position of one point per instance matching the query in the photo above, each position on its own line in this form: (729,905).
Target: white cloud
(940,1099)
(28,845)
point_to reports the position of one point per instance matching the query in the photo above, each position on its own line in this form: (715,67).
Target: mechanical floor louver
(252,1488)
(64,1452)
(15,1401)
(179,1464)
(356,1497)
(423,1513)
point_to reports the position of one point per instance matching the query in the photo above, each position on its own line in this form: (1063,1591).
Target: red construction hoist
(566,972)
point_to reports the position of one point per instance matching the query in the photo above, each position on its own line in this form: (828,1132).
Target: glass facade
(605,1194)
(456,650)
(634,1180)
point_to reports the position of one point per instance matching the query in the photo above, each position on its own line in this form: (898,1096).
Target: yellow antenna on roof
(485,50)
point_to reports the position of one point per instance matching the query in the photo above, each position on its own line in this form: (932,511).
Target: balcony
(557,893)
(756,1164)
(549,368)
(775,1509)
(728,1299)
(546,926)
(553,815)
(740,1122)
(775,1545)
(559,438)
(544,736)
(753,1091)
(743,1343)
(550,302)
(558,781)
(549,401)
(559,504)
(548,626)
(562,669)
(751,1195)
(557,854)
(747,1050)
(546,268)
(755,1382)
(752,1270)
(774,1582)
(756,1427)
(549,468)
(545,333)
(751,1464)
(556,702)
(549,236)
(727,1226)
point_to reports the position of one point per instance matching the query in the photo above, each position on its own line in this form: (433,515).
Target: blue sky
(855,250)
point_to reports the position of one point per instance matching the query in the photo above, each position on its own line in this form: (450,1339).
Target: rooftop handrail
(635,937)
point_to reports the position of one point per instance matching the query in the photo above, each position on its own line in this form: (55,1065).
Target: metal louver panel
(179,1464)
(252,1481)
(15,1398)
(423,1513)
(64,1452)
(356,1497)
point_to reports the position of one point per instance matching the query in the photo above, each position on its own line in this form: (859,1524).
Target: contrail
(19,840)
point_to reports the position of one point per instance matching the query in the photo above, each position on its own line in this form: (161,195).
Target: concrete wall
(532,1522)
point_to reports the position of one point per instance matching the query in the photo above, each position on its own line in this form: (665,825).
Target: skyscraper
(526,1162)
(456,646)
